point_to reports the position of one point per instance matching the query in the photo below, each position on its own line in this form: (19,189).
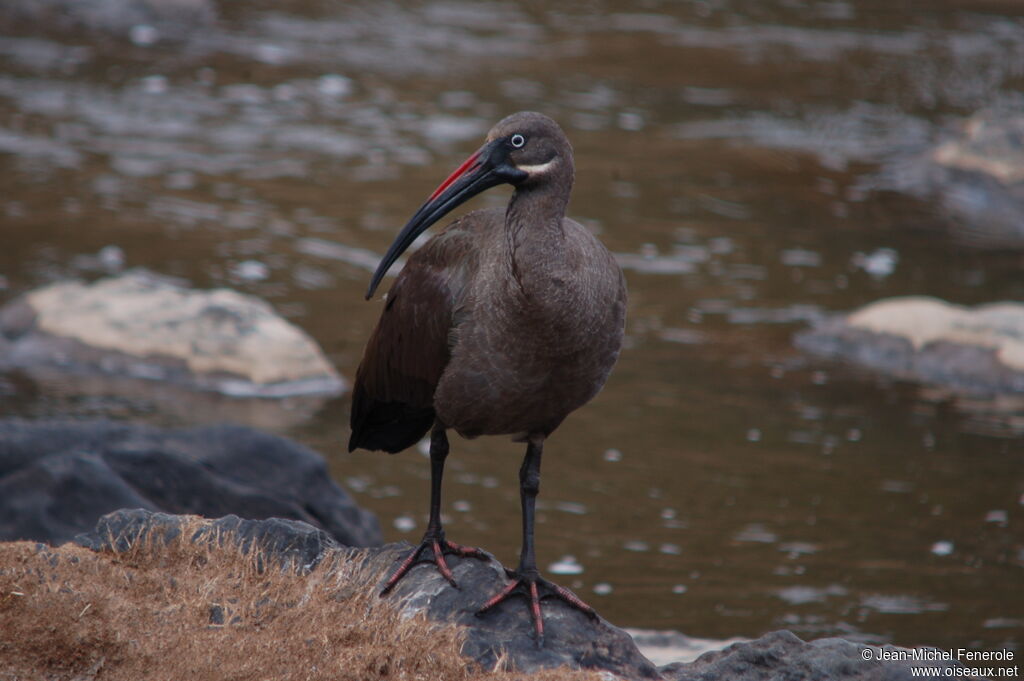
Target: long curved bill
(482,170)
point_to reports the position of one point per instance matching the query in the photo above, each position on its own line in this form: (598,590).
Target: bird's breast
(535,346)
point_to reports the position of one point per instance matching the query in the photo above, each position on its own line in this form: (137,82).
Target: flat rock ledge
(146,326)
(979,350)
(572,639)
(58,478)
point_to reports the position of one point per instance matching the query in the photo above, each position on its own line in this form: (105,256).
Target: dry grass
(153,613)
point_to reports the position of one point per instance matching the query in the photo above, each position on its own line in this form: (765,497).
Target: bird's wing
(393,396)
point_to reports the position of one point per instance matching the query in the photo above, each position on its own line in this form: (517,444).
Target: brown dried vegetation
(197,611)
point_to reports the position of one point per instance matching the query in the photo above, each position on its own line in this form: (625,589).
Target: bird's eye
(517,140)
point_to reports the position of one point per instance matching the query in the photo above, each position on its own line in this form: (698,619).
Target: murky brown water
(738,156)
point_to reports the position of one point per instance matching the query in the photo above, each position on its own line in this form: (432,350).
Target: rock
(977,176)
(58,478)
(148,327)
(782,656)
(291,544)
(667,647)
(976,350)
(571,638)
(992,142)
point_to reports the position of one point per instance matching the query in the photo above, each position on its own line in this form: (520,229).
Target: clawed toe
(438,547)
(535,589)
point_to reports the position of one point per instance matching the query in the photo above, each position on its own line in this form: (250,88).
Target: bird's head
(527,150)
(533,147)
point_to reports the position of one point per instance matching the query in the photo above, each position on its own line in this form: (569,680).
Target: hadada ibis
(501,324)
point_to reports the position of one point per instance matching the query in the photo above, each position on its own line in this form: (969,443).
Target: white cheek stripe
(536,169)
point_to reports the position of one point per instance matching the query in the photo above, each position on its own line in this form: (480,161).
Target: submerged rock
(977,176)
(58,478)
(977,350)
(148,327)
(571,638)
(992,142)
(670,647)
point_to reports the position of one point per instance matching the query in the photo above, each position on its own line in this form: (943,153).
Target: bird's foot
(535,588)
(438,547)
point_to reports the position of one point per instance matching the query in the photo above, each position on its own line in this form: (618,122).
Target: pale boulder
(147,326)
(979,349)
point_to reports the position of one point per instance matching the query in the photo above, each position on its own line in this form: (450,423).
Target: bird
(503,323)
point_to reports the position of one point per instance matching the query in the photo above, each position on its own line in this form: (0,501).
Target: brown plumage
(502,324)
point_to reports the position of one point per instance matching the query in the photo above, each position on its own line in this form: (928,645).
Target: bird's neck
(535,237)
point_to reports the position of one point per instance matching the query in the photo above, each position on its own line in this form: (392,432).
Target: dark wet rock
(58,478)
(290,543)
(782,656)
(977,177)
(978,350)
(571,638)
(148,327)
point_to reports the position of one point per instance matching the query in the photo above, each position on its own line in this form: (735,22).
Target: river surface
(737,156)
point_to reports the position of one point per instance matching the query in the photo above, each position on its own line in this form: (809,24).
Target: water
(741,159)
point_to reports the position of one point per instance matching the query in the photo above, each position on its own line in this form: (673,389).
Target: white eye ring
(517,141)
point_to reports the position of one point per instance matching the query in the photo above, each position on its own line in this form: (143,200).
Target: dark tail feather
(387,426)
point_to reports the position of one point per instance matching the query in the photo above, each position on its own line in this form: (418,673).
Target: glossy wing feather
(393,396)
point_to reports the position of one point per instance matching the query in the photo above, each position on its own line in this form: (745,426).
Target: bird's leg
(526,579)
(433,540)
